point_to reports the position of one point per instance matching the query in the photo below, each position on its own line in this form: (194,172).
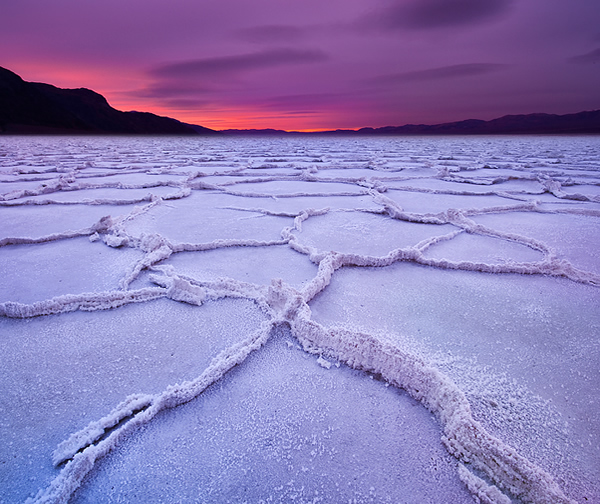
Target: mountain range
(38,108)
(526,124)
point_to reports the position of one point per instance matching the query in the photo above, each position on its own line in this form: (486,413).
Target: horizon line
(356,130)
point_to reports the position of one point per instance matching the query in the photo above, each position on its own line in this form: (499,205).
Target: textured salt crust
(465,438)
(84,454)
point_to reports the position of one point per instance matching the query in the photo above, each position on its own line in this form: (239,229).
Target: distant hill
(538,124)
(36,108)
(530,124)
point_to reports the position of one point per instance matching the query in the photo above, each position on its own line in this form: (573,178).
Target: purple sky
(313,64)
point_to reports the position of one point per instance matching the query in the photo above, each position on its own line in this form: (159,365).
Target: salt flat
(300,319)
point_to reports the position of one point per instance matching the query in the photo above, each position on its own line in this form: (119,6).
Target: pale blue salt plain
(406,320)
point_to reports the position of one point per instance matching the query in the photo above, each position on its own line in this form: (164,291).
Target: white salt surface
(257,265)
(291,319)
(94,195)
(28,220)
(291,431)
(62,267)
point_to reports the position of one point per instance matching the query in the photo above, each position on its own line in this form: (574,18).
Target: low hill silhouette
(526,124)
(579,123)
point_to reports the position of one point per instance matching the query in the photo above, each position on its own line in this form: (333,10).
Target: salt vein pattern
(414,198)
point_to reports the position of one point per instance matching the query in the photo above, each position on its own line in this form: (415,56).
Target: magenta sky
(313,64)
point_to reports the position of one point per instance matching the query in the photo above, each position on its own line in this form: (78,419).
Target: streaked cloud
(445,72)
(303,102)
(431,14)
(587,58)
(238,63)
(172,88)
(267,34)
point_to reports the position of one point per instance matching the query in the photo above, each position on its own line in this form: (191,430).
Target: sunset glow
(313,66)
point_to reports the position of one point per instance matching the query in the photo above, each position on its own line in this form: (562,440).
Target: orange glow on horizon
(67,76)
(225,119)
(115,86)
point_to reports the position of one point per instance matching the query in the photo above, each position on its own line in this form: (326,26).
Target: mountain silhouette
(579,123)
(37,108)
(527,124)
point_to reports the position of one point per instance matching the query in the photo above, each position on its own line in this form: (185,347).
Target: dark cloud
(429,14)
(446,72)
(232,64)
(440,13)
(187,103)
(169,88)
(271,34)
(301,102)
(587,58)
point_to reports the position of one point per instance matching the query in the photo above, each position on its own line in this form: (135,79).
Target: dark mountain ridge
(526,124)
(37,108)
(579,123)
